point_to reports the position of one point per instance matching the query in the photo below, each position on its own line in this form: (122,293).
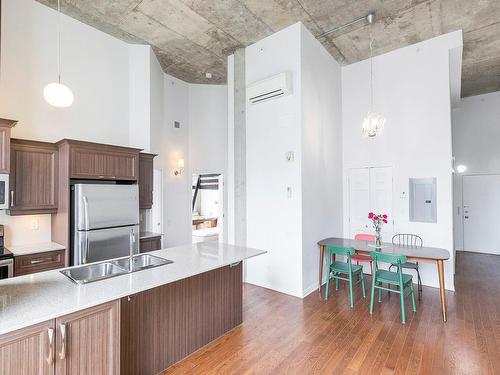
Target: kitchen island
(138,323)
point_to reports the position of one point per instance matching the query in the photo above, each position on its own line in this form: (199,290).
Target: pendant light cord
(59,40)
(371,72)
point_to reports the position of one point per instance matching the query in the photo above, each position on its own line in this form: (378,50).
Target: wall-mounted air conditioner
(270,88)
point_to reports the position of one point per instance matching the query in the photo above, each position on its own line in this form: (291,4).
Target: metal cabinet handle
(36,261)
(50,336)
(12,198)
(62,353)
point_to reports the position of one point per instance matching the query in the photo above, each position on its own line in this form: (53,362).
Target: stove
(6,259)
(5,254)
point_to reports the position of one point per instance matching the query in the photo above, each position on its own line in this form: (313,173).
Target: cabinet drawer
(150,244)
(26,264)
(104,162)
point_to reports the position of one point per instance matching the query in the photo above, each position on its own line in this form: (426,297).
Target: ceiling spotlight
(208,75)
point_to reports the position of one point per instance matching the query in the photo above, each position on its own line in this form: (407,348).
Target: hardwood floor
(283,334)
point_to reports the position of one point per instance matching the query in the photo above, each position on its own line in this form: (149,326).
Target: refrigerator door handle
(84,245)
(86,212)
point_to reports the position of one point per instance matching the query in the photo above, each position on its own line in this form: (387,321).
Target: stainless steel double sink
(99,271)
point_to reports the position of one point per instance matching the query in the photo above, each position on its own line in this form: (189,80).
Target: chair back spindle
(407,240)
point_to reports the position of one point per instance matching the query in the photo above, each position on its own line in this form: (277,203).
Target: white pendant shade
(373,124)
(58,95)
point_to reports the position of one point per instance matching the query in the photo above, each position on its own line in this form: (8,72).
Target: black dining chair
(409,240)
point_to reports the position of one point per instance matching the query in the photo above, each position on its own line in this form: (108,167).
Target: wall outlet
(34,224)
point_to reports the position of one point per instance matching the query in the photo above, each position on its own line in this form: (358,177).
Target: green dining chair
(349,270)
(399,279)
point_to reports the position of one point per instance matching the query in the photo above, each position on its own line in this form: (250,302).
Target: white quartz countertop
(34,248)
(35,298)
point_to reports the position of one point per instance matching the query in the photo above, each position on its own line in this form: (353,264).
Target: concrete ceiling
(192,37)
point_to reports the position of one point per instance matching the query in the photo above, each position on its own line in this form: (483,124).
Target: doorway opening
(207,207)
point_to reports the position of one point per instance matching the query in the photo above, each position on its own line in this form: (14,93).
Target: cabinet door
(5,126)
(33,177)
(28,351)
(4,149)
(104,162)
(146,180)
(88,341)
(150,244)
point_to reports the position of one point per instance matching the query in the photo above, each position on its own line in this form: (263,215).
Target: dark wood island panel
(163,325)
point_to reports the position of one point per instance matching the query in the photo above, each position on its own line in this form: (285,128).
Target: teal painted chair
(399,279)
(349,270)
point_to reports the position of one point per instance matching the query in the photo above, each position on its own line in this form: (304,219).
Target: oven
(6,268)
(4,191)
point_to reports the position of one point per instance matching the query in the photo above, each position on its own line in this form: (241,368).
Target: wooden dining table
(425,254)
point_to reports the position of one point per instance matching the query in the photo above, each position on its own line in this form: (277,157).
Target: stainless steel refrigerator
(105,221)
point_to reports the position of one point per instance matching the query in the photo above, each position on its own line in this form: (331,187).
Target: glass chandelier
(373,123)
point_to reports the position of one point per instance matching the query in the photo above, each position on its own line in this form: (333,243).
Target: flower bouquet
(378,222)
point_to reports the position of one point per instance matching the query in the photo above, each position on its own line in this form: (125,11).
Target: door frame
(223,231)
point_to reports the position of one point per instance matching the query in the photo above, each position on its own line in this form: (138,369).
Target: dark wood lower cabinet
(32,263)
(161,326)
(28,351)
(149,244)
(88,341)
(83,343)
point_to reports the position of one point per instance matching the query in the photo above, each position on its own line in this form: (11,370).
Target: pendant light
(373,123)
(56,93)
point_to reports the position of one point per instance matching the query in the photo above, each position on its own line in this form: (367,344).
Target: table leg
(440,266)
(321,259)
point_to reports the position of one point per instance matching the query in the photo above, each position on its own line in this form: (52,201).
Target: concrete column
(240,207)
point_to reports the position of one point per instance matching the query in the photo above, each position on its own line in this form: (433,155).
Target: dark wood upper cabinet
(146,180)
(5,126)
(102,162)
(33,177)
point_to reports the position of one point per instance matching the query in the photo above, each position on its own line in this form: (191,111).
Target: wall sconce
(180,167)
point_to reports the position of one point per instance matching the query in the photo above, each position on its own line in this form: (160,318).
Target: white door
(370,190)
(481,205)
(359,201)
(381,197)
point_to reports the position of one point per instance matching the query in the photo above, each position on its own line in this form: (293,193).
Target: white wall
(139,96)
(412,90)
(94,65)
(321,153)
(122,97)
(208,128)
(273,128)
(208,140)
(156,114)
(293,204)
(476,135)
(175,146)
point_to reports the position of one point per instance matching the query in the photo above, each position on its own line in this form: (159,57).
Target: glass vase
(378,240)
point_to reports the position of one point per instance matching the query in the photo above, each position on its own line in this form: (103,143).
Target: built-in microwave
(4,191)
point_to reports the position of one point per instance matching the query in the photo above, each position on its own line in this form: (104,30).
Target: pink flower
(370,215)
(384,216)
(385,221)
(375,218)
